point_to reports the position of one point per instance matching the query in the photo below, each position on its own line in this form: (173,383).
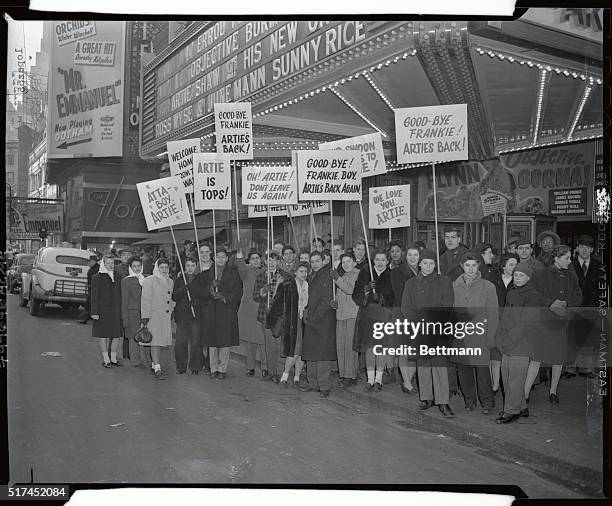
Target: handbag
(143,335)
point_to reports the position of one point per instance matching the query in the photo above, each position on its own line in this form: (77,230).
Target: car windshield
(65,259)
(26,260)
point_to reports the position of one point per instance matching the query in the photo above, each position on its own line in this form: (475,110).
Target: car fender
(25,284)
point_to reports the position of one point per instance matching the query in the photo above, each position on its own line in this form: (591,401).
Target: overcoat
(364,338)
(285,305)
(200,291)
(131,291)
(157,305)
(588,283)
(429,298)
(106,302)
(221,319)
(553,344)
(249,327)
(501,289)
(520,323)
(476,303)
(450,262)
(320,330)
(182,310)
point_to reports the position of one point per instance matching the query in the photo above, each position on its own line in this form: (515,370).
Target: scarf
(165,279)
(302,297)
(104,270)
(139,276)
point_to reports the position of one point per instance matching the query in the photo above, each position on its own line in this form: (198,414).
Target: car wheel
(34,305)
(23,302)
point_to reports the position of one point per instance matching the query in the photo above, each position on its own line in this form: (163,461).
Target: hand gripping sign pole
(331,231)
(433,169)
(365,238)
(178,254)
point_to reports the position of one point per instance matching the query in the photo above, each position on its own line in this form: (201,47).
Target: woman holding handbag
(375,300)
(285,318)
(156,308)
(106,311)
(131,292)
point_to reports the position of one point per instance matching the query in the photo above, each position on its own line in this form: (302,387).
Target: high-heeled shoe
(553,398)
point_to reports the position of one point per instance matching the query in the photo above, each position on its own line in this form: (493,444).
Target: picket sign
(163,205)
(269,185)
(370,150)
(329,175)
(389,207)
(433,134)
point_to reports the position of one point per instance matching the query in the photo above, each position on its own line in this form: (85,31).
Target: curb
(579,478)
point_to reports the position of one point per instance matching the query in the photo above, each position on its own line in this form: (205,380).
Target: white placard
(371,149)
(163,202)
(431,134)
(212,181)
(329,175)
(300,209)
(269,185)
(234,130)
(390,206)
(180,159)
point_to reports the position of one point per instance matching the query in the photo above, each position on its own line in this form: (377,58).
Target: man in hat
(450,260)
(426,295)
(524,251)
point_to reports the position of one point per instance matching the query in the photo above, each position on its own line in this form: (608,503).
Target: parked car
(22,262)
(58,276)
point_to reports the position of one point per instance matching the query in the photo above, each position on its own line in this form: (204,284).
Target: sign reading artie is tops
(234,130)
(431,134)
(212,181)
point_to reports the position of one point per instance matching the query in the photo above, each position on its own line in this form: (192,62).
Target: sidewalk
(561,442)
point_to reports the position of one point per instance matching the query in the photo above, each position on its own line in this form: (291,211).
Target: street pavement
(71,420)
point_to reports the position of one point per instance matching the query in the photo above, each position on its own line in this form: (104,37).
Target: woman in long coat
(559,287)
(221,320)
(430,296)
(251,333)
(372,297)
(106,311)
(319,346)
(131,292)
(399,275)
(156,306)
(289,304)
(503,282)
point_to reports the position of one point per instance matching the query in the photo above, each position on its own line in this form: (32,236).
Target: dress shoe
(220,375)
(117,364)
(264,373)
(296,384)
(324,393)
(377,387)
(553,398)
(470,407)
(213,375)
(250,372)
(486,411)
(507,418)
(195,372)
(567,375)
(426,404)
(368,387)
(348,382)
(500,415)
(407,390)
(524,413)
(283,384)
(275,378)
(307,388)
(159,375)
(446,410)
(107,365)
(181,372)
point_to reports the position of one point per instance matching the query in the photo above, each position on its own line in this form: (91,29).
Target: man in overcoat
(319,346)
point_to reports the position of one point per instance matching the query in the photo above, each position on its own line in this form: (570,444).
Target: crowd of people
(308,316)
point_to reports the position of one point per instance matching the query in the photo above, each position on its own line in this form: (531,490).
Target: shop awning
(165,237)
